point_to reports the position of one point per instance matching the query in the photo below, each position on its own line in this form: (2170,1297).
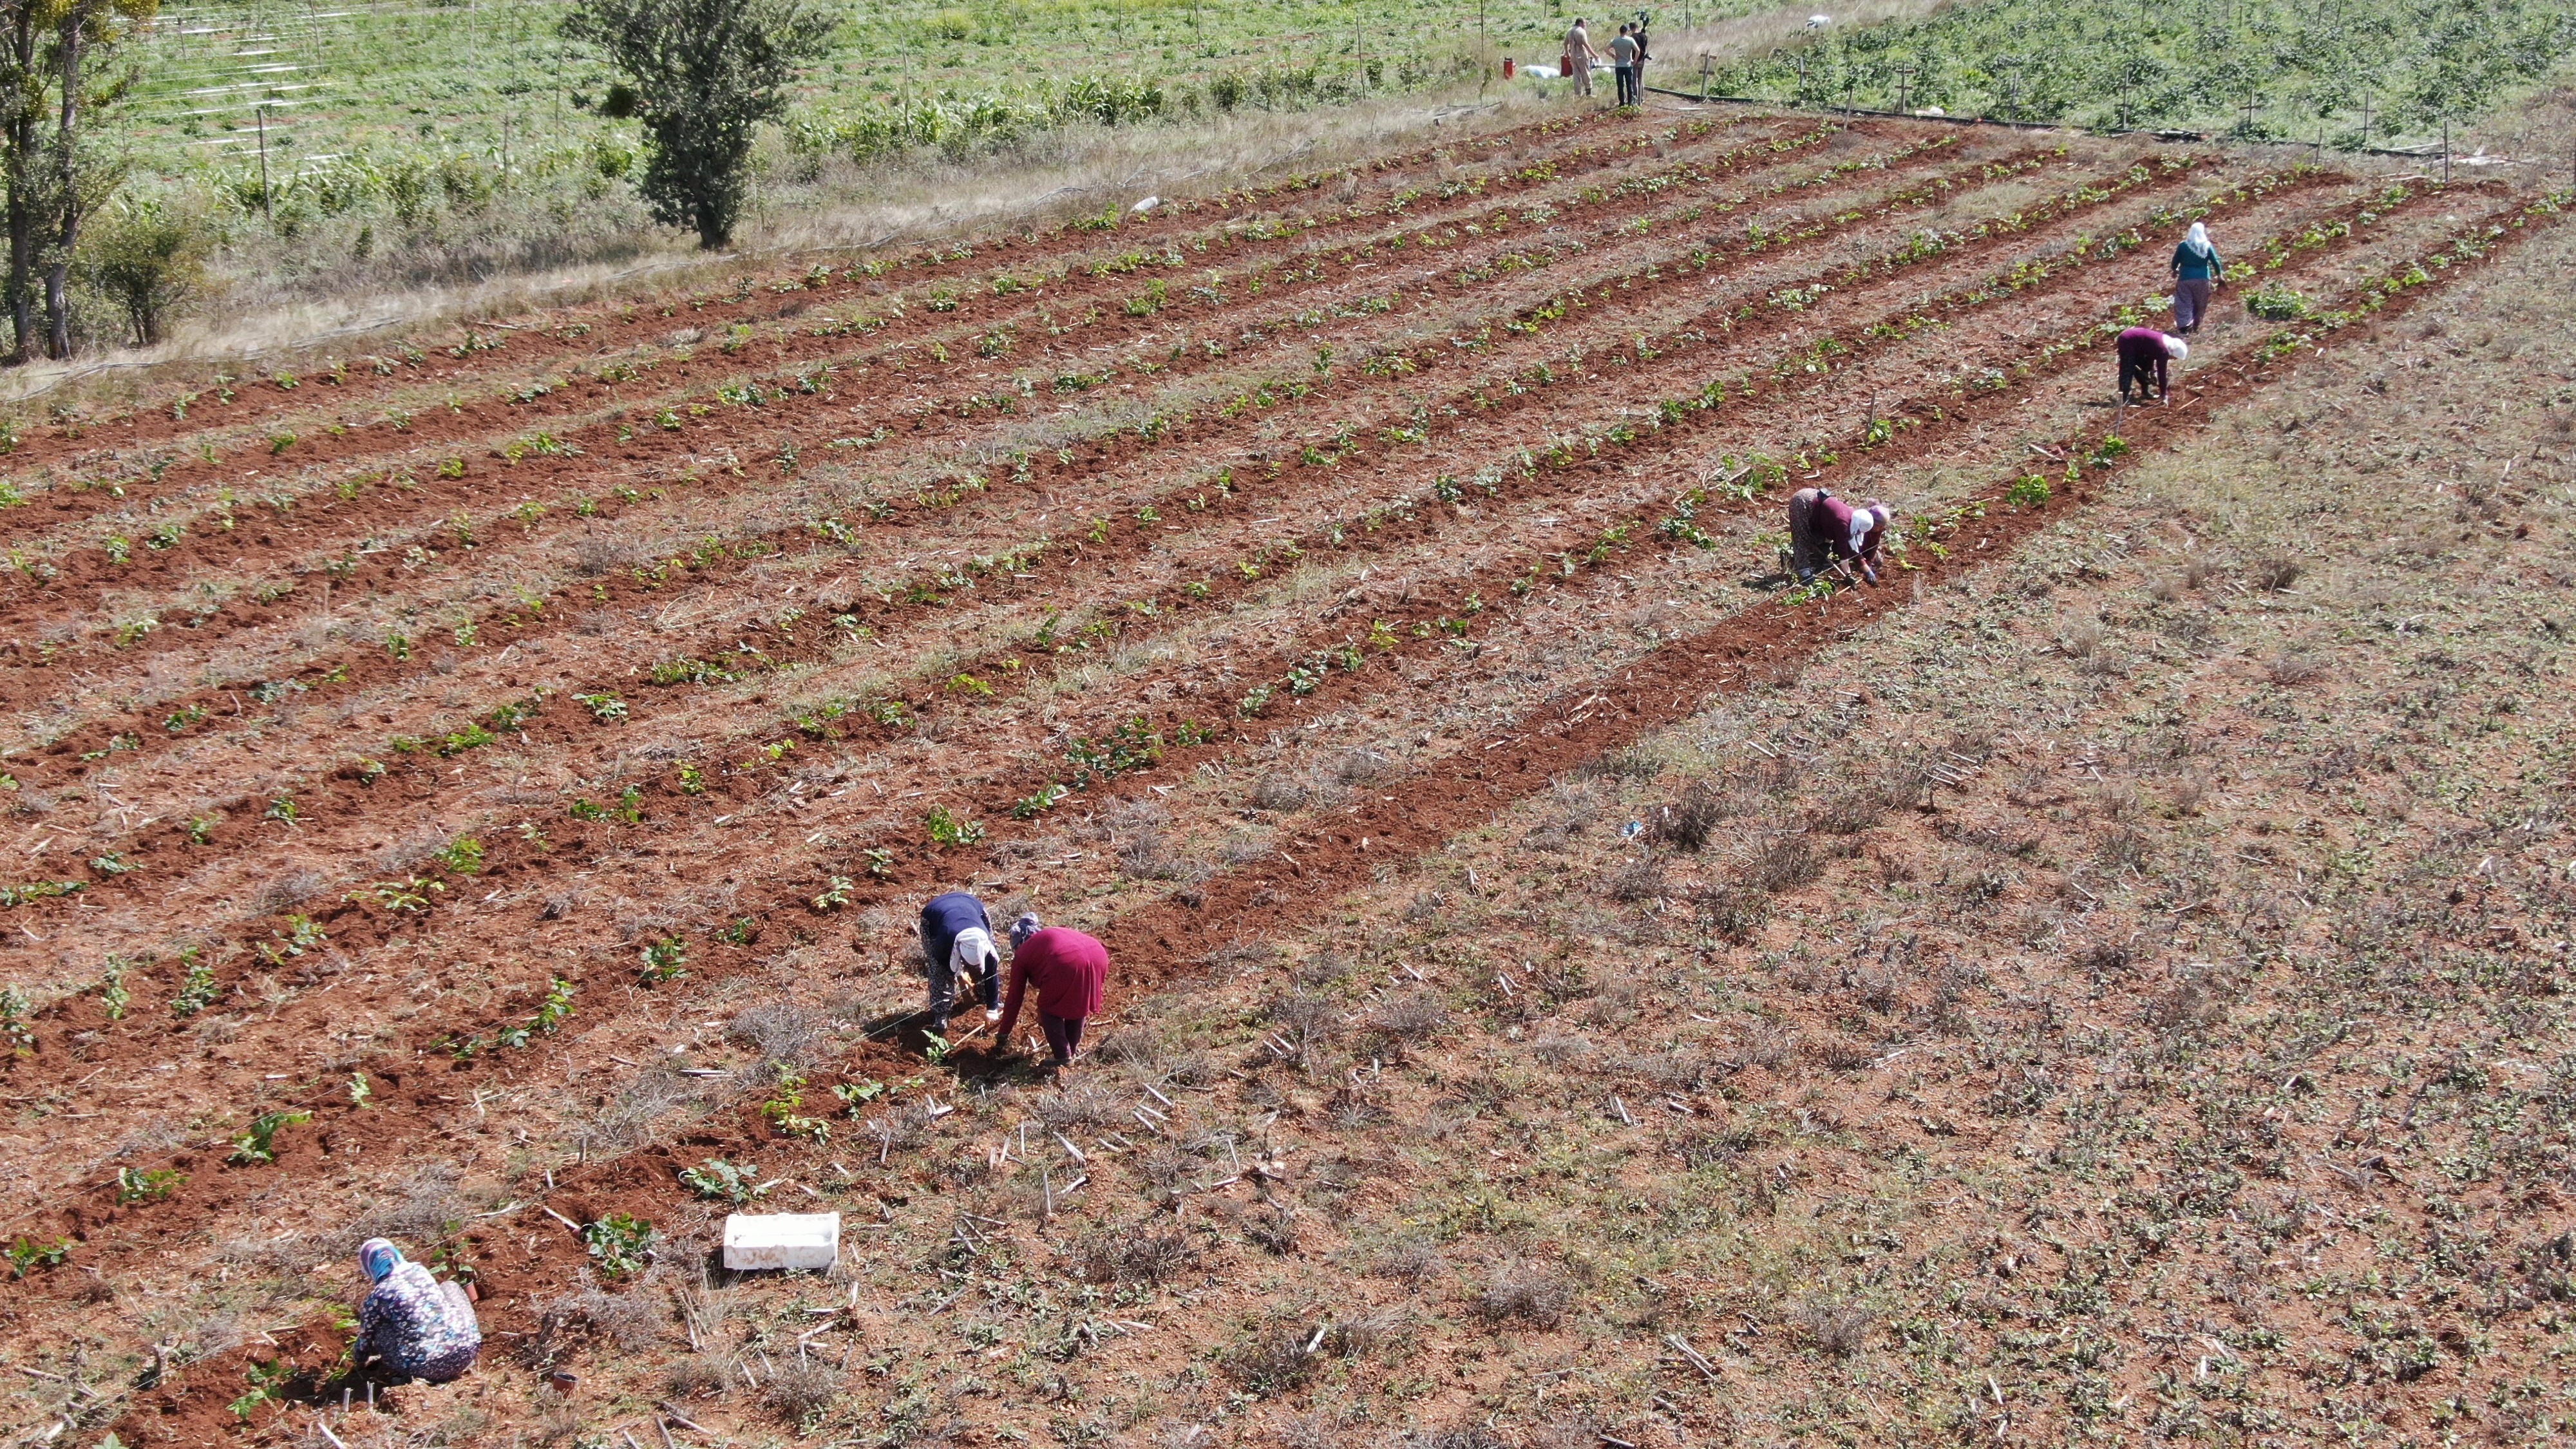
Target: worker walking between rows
(420,1327)
(957,950)
(2197,270)
(1068,967)
(1824,529)
(1577,59)
(2144,355)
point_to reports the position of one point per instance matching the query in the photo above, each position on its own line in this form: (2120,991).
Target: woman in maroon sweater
(1068,967)
(2143,354)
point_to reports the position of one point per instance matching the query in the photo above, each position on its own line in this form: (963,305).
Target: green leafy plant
(2028,491)
(151,1184)
(259,1144)
(946,829)
(463,855)
(722,1181)
(113,993)
(2275,301)
(665,959)
(197,990)
(619,1243)
(605,707)
(26,1255)
(785,1110)
(836,894)
(361,1091)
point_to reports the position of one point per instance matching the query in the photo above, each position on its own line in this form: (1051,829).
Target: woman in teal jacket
(2196,270)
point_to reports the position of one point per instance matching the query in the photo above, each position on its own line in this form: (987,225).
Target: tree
(55,81)
(706,73)
(148,258)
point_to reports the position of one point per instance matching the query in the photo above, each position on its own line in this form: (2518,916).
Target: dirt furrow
(1565,148)
(1497,580)
(1496,427)
(951,311)
(859,393)
(1086,470)
(1161,943)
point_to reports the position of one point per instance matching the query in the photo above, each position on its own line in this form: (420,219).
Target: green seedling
(113,993)
(361,1092)
(301,935)
(463,856)
(665,959)
(14,1030)
(604,707)
(150,1184)
(619,1243)
(259,1144)
(722,1181)
(785,1111)
(197,990)
(880,862)
(835,895)
(947,830)
(26,1255)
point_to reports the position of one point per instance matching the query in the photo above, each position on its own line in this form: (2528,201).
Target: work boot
(939,1027)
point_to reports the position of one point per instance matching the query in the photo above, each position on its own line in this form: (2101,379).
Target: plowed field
(519,760)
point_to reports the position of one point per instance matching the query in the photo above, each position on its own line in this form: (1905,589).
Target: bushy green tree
(149,259)
(706,73)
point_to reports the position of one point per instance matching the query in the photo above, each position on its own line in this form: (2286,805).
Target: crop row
(1690,665)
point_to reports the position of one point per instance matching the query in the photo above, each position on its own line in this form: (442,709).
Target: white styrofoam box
(754,1241)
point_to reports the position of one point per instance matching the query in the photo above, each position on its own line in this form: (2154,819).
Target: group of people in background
(1628,57)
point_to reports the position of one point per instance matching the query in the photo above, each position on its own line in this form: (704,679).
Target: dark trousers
(1063,1034)
(1811,549)
(1627,84)
(2142,372)
(948,985)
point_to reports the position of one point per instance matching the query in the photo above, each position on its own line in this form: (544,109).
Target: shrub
(2274,302)
(149,259)
(800,1390)
(1685,823)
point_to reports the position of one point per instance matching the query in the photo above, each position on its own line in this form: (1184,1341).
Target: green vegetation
(259,1144)
(2352,72)
(619,1243)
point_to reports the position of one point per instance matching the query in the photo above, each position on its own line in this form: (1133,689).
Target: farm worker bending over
(1578,58)
(957,945)
(422,1328)
(2143,354)
(1823,528)
(2196,269)
(1068,967)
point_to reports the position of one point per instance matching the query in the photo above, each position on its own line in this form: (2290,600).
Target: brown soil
(1366,627)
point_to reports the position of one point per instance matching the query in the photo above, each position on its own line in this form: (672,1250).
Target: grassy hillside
(2348,72)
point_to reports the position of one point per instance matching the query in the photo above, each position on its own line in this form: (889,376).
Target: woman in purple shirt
(2143,354)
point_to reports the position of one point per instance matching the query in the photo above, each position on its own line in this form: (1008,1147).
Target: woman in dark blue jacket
(957,944)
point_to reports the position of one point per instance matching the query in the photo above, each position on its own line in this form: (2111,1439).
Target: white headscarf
(973,950)
(1867,520)
(2176,348)
(2198,239)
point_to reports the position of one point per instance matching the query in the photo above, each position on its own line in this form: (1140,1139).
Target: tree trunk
(58,312)
(18,141)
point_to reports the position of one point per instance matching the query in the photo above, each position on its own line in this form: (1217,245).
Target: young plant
(835,895)
(197,990)
(947,830)
(722,1181)
(27,1255)
(785,1111)
(619,1243)
(151,1184)
(259,1144)
(665,959)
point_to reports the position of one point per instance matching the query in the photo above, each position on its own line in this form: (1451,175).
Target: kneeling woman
(420,1327)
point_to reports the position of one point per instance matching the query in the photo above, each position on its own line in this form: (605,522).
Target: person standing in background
(2197,270)
(1623,64)
(1643,55)
(1578,57)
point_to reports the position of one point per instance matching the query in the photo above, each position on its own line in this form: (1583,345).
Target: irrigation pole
(264,211)
(2446,150)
